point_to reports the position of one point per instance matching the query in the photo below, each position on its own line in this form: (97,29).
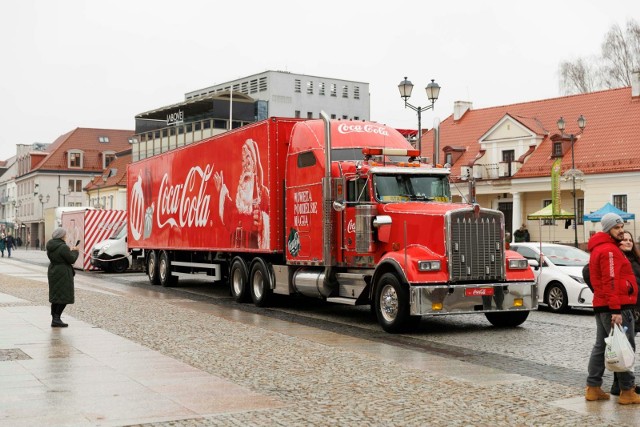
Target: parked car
(559,275)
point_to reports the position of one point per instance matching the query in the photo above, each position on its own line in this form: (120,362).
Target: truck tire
(260,281)
(164,271)
(120,266)
(239,280)
(391,302)
(152,268)
(509,319)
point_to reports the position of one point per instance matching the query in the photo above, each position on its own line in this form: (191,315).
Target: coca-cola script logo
(351,226)
(136,209)
(345,128)
(185,204)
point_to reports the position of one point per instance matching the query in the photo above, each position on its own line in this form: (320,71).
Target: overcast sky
(68,64)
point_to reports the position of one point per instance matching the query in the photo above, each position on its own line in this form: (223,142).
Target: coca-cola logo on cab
(345,128)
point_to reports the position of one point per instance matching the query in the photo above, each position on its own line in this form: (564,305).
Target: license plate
(478,292)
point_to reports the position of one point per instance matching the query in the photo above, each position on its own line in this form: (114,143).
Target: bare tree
(620,56)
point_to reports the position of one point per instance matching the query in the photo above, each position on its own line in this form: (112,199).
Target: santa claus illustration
(246,217)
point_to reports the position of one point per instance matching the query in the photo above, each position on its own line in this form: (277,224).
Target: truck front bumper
(433,300)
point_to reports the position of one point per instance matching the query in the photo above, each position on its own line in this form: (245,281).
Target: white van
(112,255)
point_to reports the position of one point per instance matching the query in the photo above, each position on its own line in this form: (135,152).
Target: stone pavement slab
(88,376)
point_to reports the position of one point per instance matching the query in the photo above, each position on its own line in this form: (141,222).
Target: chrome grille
(475,245)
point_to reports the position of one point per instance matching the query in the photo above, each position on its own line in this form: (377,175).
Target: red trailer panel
(221,194)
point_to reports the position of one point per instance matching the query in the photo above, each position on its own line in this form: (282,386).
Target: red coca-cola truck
(344,211)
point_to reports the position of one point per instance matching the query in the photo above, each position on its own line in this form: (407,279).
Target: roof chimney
(635,84)
(461,107)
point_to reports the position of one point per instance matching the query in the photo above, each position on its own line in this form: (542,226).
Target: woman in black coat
(60,275)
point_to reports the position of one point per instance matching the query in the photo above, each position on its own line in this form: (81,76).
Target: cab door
(357,194)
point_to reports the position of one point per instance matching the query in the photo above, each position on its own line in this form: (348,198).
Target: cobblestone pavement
(323,381)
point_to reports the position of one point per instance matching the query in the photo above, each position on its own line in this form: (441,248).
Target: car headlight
(518,264)
(429,265)
(104,248)
(578,279)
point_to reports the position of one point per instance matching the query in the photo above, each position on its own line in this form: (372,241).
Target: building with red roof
(508,152)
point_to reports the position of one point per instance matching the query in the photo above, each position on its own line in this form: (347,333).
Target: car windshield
(566,255)
(411,187)
(120,233)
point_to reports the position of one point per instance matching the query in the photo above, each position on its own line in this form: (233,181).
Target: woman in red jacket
(615,293)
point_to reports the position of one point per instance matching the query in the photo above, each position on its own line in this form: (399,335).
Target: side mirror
(533,263)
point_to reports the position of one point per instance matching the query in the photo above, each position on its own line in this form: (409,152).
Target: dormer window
(107,158)
(75,159)
(103,139)
(557,149)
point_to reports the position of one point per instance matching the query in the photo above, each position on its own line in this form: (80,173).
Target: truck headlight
(518,264)
(428,265)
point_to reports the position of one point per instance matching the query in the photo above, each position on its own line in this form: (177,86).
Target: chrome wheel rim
(389,303)
(237,281)
(258,283)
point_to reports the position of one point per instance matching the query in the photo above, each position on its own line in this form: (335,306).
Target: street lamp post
(42,200)
(433,91)
(582,123)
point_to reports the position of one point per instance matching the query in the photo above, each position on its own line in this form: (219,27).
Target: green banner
(555,185)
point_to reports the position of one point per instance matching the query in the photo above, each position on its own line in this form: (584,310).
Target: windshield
(566,256)
(120,233)
(403,188)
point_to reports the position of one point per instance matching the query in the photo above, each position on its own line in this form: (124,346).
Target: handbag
(619,356)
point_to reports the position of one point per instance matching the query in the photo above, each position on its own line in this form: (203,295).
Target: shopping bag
(618,355)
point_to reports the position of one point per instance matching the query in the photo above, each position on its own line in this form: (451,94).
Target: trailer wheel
(120,266)
(164,271)
(239,280)
(509,319)
(152,268)
(392,305)
(260,283)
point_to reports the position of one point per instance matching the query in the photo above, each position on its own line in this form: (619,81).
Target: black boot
(57,323)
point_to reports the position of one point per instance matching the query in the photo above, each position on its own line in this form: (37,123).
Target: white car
(559,276)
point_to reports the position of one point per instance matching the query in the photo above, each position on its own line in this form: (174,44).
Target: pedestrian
(60,275)
(632,252)
(615,292)
(10,243)
(3,243)
(522,234)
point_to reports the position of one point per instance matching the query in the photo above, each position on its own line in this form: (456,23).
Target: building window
(75,159)
(310,87)
(297,87)
(546,203)
(345,91)
(321,88)
(448,159)
(103,139)
(356,92)
(253,86)
(262,85)
(580,203)
(557,149)
(333,89)
(333,116)
(345,117)
(244,88)
(297,114)
(309,115)
(75,186)
(620,201)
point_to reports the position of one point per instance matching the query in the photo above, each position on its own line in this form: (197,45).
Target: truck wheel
(392,305)
(508,319)
(152,268)
(164,271)
(239,280)
(260,283)
(120,266)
